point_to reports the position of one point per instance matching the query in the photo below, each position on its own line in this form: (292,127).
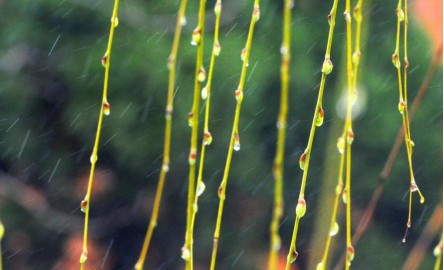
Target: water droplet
(347,16)
(216,49)
(208,138)
(350,136)
(356,57)
(256,14)
(236,146)
(437,251)
(166,167)
(334,229)
(340,144)
(190,118)
(320,266)
(277,244)
(301,208)
(195,39)
(115,21)
(339,189)
(320,117)
(202,75)
(239,95)
(186,254)
(84,256)
(329,16)
(183,20)
(168,111)
(400,14)
(395,60)
(93,158)
(105,60)
(217,8)
(402,106)
(344,195)
(350,253)
(406,63)
(327,66)
(290,4)
(170,62)
(195,208)
(284,49)
(200,188)
(2,230)
(83,205)
(106,108)
(293,256)
(302,160)
(204,93)
(192,157)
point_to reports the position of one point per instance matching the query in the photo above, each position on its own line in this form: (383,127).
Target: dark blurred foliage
(51,82)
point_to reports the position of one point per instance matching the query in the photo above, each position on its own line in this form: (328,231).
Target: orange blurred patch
(429,14)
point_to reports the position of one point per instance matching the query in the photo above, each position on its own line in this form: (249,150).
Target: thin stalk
(206,95)
(281,124)
(104,110)
(2,234)
(304,160)
(172,60)
(438,253)
(193,117)
(234,139)
(403,106)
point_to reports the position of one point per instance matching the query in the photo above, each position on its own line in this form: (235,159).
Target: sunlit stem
(172,60)
(200,186)
(438,253)
(222,188)
(106,61)
(188,247)
(278,166)
(326,69)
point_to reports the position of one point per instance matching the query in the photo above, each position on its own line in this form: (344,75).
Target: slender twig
(172,60)
(2,233)
(281,124)
(304,160)
(431,230)
(193,118)
(234,139)
(437,251)
(104,110)
(207,137)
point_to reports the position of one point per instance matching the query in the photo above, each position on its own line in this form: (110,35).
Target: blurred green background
(50,92)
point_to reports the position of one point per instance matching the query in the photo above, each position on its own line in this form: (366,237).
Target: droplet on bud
(338,189)
(200,188)
(216,49)
(115,21)
(243,54)
(208,138)
(400,14)
(217,8)
(185,253)
(293,256)
(239,95)
(202,75)
(350,253)
(327,66)
(166,167)
(2,230)
(168,111)
(406,63)
(84,256)
(413,186)
(83,205)
(93,158)
(195,208)
(195,39)
(236,146)
(204,93)
(350,136)
(105,60)
(190,118)
(437,251)
(220,193)
(340,144)
(284,49)
(395,60)
(256,14)
(302,160)
(170,62)
(329,18)
(183,20)
(320,117)
(334,229)
(192,157)
(106,108)
(301,208)
(344,196)
(356,57)
(347,16)
(402,106)
(320,266)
